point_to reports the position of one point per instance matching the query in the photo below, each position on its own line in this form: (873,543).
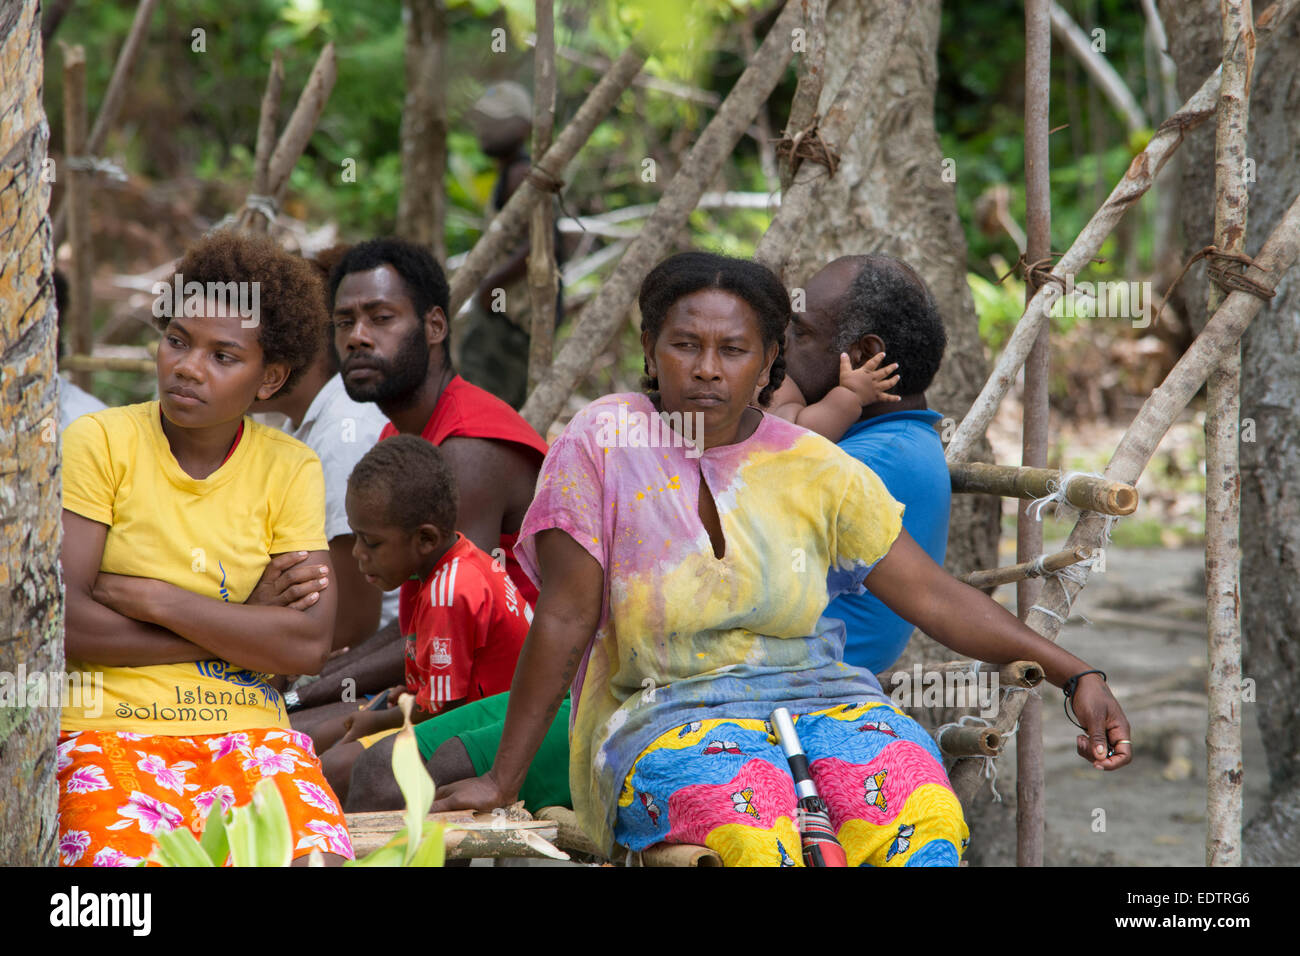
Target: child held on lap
(464,619)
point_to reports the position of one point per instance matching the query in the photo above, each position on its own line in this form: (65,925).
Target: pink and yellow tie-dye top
(685,635)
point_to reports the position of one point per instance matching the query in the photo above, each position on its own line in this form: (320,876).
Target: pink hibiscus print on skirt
(229,744)
(268,763)
(169,778)
(69,746)
(149,813)
(88,779)
(111,857)
(72,845)
(297,738)
(220,792)
(316,796)
(329,837)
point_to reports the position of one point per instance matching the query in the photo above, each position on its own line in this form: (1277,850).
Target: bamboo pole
(1083,491)
(679,854)
(507,227)
(107,114)
(1026,569)
(1153,420)
(106,363)
(1029,533)
(569,834)
(1141,174)
(267,122)
(543,275)
(255,217)
(812,70)
(967,741)
(603,317)
(1021,674)
(79,321)
(1016,674)
(797,201)
(1222,475)
(513,843)
(468,835)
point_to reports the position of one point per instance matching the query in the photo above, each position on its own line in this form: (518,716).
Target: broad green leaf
(215,842)
(414,781)
(391,853)
(273,833)
(433,847)
(179,848)
(241,830)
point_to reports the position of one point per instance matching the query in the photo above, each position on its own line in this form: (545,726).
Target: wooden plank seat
(468,835)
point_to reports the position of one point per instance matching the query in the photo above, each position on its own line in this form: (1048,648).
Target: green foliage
(258,833)
(980,117)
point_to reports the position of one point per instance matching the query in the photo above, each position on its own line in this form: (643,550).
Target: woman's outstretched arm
(971,623)
(568,613)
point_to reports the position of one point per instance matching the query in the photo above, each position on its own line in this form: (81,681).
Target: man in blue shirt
(863,305)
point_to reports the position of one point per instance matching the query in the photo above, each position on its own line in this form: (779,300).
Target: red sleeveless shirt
(467,411)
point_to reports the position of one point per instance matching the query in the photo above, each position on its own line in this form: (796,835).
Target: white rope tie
(96,164)
(265,205)
(990,763)
(1056,493)
(1048,611)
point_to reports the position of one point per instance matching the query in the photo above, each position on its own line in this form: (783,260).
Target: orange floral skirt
(117,789)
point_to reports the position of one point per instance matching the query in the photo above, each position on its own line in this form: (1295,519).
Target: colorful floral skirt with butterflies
(725,784)
(117,789)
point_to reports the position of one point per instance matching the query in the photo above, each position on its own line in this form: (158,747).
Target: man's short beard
(399,379)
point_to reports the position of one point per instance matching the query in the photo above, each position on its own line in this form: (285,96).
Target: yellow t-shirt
(212,536)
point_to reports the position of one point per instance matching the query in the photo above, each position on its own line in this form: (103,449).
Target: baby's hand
(871,383)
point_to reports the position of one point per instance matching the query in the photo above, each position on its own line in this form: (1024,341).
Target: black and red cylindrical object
(820,848)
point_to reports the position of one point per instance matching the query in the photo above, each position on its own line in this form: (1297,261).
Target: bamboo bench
(514,834)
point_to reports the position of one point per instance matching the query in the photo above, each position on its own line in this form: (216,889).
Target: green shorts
(479,725)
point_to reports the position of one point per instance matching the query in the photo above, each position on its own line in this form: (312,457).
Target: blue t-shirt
(905,451)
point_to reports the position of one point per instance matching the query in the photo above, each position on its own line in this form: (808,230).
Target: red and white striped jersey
(464,625)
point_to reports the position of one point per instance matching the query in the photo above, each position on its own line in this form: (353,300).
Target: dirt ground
(1148,634)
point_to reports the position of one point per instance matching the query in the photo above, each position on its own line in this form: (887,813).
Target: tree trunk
(421,209)
(889,196)
(31,600)
(1270,403)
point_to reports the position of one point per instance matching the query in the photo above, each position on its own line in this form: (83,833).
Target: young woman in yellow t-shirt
(173,511)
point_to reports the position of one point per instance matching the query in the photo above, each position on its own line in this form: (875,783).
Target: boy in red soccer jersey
(463,618)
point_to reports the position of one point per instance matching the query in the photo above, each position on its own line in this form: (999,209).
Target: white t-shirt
(75,402)
(340,432)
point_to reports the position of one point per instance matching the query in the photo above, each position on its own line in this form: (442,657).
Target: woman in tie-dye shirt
(682,589)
